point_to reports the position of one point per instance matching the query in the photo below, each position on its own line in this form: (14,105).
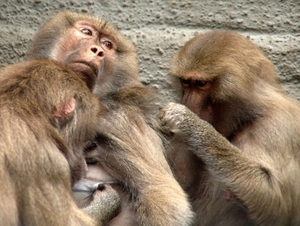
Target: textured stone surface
(159,28)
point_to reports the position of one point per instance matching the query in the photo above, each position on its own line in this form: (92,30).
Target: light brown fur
(39,151)
(132,153)
(116,68)
(244,154)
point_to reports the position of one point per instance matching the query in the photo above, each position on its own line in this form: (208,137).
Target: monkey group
(83,145)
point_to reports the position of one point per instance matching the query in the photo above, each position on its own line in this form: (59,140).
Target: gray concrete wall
(159,28)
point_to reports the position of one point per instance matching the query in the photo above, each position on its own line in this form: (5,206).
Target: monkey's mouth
(87,71)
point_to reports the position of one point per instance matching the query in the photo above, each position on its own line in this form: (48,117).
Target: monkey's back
(34,171)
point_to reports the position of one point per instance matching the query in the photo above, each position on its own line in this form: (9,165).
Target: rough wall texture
(160,27)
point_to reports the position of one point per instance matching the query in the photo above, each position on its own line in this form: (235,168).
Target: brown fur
(242,169)
(131,151)
(40,151)
(121,61)
(128,150)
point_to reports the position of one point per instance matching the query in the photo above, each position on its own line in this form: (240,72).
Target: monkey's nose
(97,51)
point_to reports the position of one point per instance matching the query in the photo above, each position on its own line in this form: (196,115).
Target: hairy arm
(260,188)
(132,152)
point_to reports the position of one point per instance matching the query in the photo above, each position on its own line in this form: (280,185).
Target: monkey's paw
(106,204)
(173,117)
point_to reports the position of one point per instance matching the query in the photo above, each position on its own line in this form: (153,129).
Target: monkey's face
(196,96)
(86,49)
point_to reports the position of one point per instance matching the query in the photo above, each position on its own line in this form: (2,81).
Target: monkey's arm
(257,186)
(132,152)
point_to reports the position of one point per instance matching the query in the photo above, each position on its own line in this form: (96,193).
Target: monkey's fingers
(172,115)
(106,204)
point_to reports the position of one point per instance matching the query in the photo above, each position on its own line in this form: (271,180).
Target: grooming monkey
(235,138)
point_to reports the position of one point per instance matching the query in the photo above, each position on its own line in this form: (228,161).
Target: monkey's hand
(106,204)
(209,145)
(183,123)
(178,119)
(172,115)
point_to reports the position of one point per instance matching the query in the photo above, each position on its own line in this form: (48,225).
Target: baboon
(48,115)
(92,47)
(235,143)
(128,148)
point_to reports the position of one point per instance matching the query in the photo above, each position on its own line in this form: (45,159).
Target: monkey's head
(220,73)
(92,47)
(55,103)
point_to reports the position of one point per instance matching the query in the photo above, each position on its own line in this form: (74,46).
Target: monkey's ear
(61,115)
(67,108)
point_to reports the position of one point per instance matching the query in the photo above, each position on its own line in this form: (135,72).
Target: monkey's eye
(200,83)
(185,82)
(87,31)
(108,44)
(91,161)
